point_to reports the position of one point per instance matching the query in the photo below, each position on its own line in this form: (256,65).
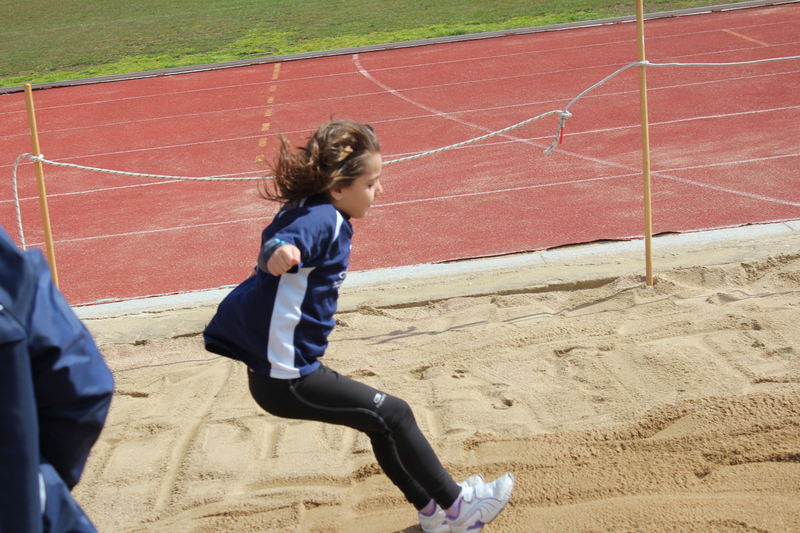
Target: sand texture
(623,407)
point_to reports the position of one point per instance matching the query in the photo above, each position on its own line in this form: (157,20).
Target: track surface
(723,140)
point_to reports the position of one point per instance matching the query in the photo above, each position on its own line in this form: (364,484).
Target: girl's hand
(283,259)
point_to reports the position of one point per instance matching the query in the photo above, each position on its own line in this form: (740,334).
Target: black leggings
(401,449)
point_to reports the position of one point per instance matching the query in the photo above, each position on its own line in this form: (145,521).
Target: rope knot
(562,121)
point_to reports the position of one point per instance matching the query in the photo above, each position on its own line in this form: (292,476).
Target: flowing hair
(336,153)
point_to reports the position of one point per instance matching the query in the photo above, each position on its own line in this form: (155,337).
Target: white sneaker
(481,504)
(436,523)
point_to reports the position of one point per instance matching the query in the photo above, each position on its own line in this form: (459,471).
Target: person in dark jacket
(55,392)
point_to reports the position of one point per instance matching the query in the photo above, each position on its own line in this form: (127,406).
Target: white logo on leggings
(379,398)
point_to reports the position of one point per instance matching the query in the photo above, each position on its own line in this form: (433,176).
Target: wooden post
(48,235)
(648,216)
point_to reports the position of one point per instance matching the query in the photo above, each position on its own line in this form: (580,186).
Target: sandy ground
(618,406)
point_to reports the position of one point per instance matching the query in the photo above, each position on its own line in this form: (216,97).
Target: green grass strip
(56,40)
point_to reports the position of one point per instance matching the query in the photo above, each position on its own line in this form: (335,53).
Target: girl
(277,322)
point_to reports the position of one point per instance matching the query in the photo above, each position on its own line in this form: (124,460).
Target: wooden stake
(648,216)
(48,235)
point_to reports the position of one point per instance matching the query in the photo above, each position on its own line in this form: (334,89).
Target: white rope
(16,200)
(754,62)
(41,159)
(566,114)
(563,115)
(133,174)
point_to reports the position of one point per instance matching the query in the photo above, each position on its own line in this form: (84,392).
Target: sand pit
(619,408)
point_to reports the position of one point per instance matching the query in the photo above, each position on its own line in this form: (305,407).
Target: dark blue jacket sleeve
(70,384)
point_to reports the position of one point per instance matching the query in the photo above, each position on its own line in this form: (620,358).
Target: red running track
(724,148)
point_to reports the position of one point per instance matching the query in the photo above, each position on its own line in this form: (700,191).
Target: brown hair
(336,153)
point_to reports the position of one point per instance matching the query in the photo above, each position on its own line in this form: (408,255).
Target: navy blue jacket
(55,391)
(279,325)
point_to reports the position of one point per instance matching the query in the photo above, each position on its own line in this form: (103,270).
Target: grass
(55,40)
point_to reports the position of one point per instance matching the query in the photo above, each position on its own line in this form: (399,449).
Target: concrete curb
(565,268)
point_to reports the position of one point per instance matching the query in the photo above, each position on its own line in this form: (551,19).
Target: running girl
(277,322)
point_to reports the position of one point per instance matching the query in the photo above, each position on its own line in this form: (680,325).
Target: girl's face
(356,198)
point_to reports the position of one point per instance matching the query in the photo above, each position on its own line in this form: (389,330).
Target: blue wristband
(267,250)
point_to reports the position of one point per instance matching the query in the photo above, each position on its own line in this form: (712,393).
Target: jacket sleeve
(312,229)
(72,383)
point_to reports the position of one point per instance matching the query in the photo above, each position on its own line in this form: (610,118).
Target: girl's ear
(336,191)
